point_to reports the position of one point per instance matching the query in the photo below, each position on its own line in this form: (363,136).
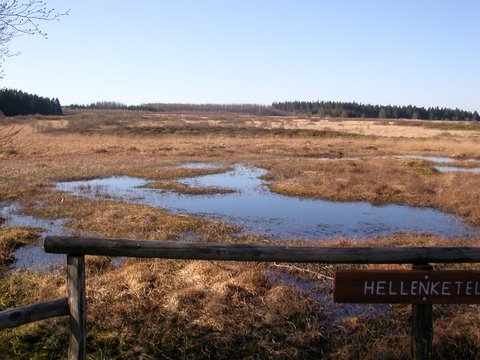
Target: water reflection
(260,211)
(200,165)
(447,169)
(196,165)
(338,159)
(32,257)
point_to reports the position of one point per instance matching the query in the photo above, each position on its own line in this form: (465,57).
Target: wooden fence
(76,248)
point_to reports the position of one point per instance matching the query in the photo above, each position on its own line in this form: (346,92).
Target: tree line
(358,110)
(16,102)
(254,109)
(320,108)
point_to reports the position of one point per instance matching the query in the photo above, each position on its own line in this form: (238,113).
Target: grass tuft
(181,188)
(13,238)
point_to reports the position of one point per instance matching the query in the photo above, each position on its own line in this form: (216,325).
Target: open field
(194,309)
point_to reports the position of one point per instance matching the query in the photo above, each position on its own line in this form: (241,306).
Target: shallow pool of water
(13,218)
(437,159)
(260,211)
(195,165)
(446,169)
(337,159)
(32,257)
(200,165)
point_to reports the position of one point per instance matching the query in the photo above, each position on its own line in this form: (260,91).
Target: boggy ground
(198,309)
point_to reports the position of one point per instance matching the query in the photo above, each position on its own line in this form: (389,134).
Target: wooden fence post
(422,326)
(77,303)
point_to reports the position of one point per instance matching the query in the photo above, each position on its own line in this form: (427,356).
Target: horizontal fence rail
(253,252)
(31,313)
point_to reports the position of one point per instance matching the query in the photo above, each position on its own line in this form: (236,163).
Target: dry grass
(7,138)
(42,340)
(388,337)
(380,181)
(185,309)
(181,188)
(122,220)
(202,309)
(13,238)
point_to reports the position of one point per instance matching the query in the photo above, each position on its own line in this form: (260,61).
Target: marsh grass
(442,125)
(197,129)
(176,172)
(381,181)
(7,193)
(42,340)
(7,140)
(47,339)
(181,188)
(118,219)
(13,238)
(199,309)
(202,309)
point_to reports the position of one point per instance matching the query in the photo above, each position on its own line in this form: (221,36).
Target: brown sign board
(407,286)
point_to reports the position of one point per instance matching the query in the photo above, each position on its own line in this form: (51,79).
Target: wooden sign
(407,287)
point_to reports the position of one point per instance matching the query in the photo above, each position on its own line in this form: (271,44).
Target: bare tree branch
(23,18)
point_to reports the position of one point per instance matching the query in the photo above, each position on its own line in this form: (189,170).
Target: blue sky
(421,52)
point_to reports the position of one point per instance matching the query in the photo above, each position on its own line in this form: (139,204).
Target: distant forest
(330,109)
(255,109)
(357,110)
(16,102)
